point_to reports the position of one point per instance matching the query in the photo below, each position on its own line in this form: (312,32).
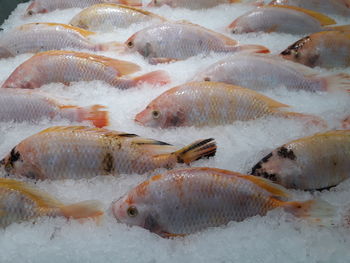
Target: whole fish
(37,37)
(261,72)
(169,41)
(77,152)
(210,104)
(106,17)
(19,202)
(27,106)
(337,7)
(185,201)
(194,4)
(44,6)
(282,19)
(310,163)
(69,66)
(323,49)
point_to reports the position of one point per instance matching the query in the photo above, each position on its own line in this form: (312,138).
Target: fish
(75,152)
(20,201)
(262,72)
(38,37)
(281,19)
(169,42)
(336,7)
(328,49)
(70,66)
(107,17)
(197,4)
(310,163)
(45,6)
(185,201)
(208,103)
(28,106)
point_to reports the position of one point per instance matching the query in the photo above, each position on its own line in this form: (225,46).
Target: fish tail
(130,2)
(315,211)
(111,46)
(85,209)
(90,113)
(309,118)
(158,77)
(338,82)
(249,49)
(337,28)
(195,151)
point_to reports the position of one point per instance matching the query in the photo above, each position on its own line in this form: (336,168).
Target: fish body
(282,19)
(69,66)
(19,201)
(195,4)
(45,6)
(337,7)
(24,106)
(185,201)
(261,72)
(76,152)
(106,17)
(176,41)
(329,49)
(310,163)
(38,37)
(208,104)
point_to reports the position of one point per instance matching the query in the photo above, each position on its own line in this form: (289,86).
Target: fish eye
(30,13)
(130,44)
(206,79)
(155,114)
(132,211)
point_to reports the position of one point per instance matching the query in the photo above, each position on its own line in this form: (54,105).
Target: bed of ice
(260,239)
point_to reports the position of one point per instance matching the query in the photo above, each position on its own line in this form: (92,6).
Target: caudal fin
(315,211)
(85,209)
(337,82)
(98,117)
(111,46)
(196,151)
(251,49)
(158,77)
(310,119)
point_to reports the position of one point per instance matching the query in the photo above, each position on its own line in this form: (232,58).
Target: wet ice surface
(273,238)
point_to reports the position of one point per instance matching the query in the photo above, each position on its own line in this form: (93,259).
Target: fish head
(16,82)
(302,52)
(163,112)
(17,162)
(279,166)
(35,8)
(141,43)
(239,26)
(136,209)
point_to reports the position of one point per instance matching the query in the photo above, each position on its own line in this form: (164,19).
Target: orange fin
(338,28)
(142,11)
(337,82)
(131,2)
(315,211)
(98,117)
(323,19)
(274,189)
(153,146)
(111,46)
(310,119)
(196,151)
(42,199)
(158,77)
(85,209)
(81,31)
(250,49)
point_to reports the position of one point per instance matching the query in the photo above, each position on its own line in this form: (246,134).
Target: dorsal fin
(323,19)
(139,10)
(228,41)
(121,66)
(81,31)
(42,199)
